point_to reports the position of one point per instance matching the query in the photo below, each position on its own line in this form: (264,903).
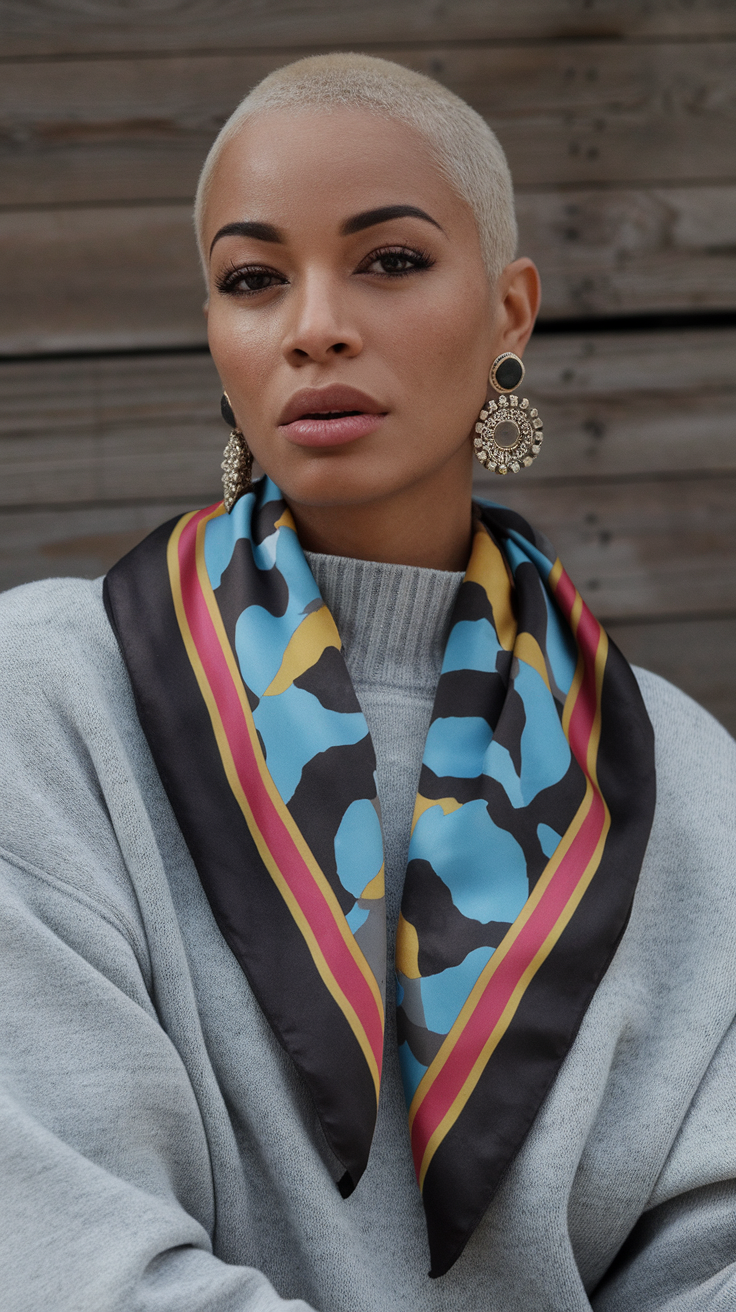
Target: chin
(336,481)
(322,491)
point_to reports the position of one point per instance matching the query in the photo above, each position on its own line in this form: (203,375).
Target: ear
(519,292)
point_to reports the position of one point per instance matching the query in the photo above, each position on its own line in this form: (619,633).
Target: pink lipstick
(330,416)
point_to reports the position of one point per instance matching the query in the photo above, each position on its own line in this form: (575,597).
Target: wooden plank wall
(619,120)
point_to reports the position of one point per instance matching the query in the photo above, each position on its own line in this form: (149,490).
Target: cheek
(242,350)
(441,352)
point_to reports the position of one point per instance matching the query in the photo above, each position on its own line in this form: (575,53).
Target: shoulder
(54,635)
(687,739)
(692,847)
(63,682)
(53,610)
(70,741)
(60,663)
(67,751)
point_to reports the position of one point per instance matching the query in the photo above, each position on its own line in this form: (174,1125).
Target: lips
(330,416)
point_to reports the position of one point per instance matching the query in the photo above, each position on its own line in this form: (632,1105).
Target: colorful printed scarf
(534,809)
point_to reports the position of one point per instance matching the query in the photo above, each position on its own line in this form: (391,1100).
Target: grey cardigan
(158,1151)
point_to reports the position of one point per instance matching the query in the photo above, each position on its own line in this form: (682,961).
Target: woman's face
(350,315)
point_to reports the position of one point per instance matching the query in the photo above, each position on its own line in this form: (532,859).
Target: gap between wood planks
(670,321)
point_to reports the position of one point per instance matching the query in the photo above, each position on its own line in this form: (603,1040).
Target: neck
(428,524)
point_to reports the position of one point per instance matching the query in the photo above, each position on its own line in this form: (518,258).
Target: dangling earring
(237,466)
(508,433)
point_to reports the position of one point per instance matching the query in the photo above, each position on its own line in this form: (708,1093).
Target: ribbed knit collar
(393,619)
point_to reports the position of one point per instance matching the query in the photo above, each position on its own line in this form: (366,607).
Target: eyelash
(227,281)
(417,259)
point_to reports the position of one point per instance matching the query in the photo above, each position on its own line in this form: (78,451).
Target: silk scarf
(534,807)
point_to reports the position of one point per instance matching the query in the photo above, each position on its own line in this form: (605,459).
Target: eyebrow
(367,219)
(249,228)
(382,215)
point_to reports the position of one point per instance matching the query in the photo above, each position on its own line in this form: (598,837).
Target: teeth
(330,414)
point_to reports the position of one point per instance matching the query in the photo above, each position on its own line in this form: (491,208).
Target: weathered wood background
(619,119)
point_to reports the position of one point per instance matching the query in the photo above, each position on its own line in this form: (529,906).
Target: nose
(320,326)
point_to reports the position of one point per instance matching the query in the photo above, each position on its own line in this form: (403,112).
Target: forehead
(283,164)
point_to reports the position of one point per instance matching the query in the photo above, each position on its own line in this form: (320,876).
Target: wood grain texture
(566,113)
(99,279)
(76,542)
(172,457)
(53,27)
(100,430)
(117,278)
(606,252)
(46,398)
(145,426)
(573,365)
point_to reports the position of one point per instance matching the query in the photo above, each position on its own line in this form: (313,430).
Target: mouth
(330,416)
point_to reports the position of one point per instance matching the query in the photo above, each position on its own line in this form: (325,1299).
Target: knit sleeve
(107,1196)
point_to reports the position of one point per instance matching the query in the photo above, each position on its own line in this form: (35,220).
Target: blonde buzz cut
(465,150)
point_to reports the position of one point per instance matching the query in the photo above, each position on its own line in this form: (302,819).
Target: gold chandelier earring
(237,465)
(508,434)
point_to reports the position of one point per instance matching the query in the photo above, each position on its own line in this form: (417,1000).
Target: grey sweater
(158,1150)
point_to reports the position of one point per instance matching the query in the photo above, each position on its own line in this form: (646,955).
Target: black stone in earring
(507,371)
(226,411)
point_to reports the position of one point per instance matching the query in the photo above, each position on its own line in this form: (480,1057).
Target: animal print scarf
(534,808)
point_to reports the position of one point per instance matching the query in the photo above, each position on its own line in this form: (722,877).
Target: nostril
(339,347)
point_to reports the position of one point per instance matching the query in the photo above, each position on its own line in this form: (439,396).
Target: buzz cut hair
(466,151)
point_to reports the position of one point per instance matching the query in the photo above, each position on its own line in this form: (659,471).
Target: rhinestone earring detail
(237,465)
(508,435)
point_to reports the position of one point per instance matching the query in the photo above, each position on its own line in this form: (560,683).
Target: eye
(248,280)
(394,261)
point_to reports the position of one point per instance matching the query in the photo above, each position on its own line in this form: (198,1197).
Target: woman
(349,672)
